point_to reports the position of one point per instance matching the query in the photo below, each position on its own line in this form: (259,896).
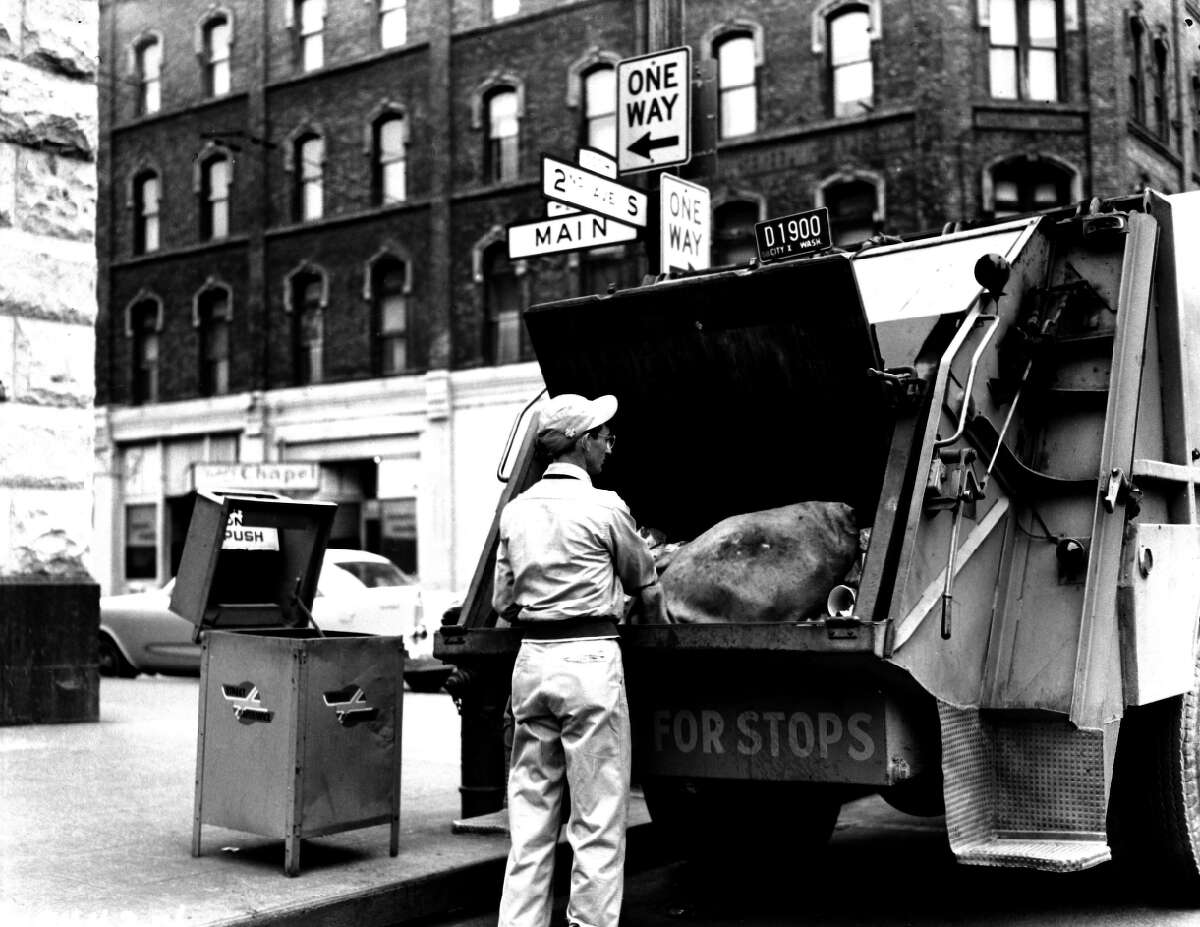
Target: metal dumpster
(299,730)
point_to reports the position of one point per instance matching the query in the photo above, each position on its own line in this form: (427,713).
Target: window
(1196,123)
(1024,185)
(213,323)
(1162,126)
(216,56)
(143,325)
(148,62)
(391,317)
(1137,96)
(393,23)
(310,18)
(391,161)
(214,198)
(141,541)
(738,106)
(852,205)
(601,268)
(1023,54)
(503,127)
(309,166)
(503,8)
(600,109)
(308,328)
(502,306)
(733,233)
(852,76)
(145,212)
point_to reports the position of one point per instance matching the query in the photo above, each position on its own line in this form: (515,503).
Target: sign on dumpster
(793,236)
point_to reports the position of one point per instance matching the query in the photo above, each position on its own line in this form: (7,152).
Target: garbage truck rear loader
(1013,413)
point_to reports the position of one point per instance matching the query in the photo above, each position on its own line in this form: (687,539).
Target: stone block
(44,447)
(62,35)
(47,278)
(48,111)
(47,531)
(47,362)
(55,196)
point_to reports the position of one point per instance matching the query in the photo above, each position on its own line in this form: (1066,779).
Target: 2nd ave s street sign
(654,110)
(570,184)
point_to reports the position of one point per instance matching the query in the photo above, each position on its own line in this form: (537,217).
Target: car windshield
(374,575)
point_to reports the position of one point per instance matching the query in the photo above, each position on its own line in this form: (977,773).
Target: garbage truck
(1012,411)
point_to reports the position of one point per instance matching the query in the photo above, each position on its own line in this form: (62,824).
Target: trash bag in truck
(773,565)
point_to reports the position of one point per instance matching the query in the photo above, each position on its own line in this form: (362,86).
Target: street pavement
(96,826)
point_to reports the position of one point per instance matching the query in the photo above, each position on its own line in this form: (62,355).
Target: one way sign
(654,110)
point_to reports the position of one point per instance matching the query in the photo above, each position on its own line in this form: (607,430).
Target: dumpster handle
(512,435)
(962,417)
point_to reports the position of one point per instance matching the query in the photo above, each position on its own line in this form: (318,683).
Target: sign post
(685,225)
(654,110)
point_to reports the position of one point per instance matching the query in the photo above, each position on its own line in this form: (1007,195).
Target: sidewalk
(96,822)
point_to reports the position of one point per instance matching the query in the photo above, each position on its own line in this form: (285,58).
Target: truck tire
(753,824)
(1154,809)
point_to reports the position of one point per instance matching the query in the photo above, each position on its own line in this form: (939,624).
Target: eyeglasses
(609,440)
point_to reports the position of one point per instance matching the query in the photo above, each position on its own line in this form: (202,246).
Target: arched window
(502,306)
(1137,64)
(1027,184)
(309,17)
(214,198)
(146,197)
(600,108)
(217,36)
(502,157)
(390,143)
(851,73)
(393,23)
(389,291)
(144,324)
(736,82)
(601,268)
(212,318)
(1162,125)
(308,176)
(308,327)
(853,207)
(733,232)
(1024,47)
(148,67)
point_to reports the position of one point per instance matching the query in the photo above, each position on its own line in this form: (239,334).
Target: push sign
(793,236)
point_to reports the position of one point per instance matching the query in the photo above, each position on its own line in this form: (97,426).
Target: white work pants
(571,715)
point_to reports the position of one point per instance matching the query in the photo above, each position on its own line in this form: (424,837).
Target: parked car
(357,591)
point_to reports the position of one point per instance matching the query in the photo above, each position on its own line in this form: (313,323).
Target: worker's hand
(653,606)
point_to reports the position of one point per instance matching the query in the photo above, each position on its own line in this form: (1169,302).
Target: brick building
(303,205)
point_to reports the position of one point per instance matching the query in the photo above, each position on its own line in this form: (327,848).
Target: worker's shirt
(568,550)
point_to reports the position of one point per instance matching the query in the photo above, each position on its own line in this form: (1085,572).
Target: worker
(569,556)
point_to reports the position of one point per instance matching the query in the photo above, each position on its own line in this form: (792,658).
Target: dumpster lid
(739,391)
(251,560)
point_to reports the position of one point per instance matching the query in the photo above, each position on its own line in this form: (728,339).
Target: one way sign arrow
(644,145)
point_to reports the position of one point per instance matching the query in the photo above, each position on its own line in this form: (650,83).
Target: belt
(566,628)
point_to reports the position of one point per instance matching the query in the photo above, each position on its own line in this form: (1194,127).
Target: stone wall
(48,139)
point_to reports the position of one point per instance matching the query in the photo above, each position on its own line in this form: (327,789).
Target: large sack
(773,565)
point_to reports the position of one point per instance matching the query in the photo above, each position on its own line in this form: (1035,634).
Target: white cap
(573,415)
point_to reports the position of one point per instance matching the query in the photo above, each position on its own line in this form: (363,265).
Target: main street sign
(591,191)
(685,225)
(566,233)
(793,236)
(654,110)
